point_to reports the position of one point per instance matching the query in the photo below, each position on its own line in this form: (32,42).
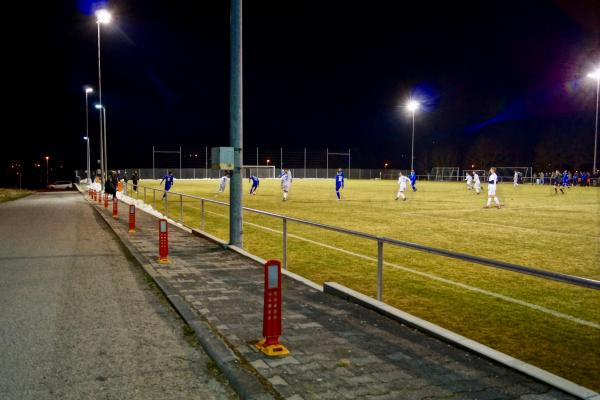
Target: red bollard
(272,312)
(131,218)
(115,208)
(93,195)
(163,241)
(105,200)
(99,197)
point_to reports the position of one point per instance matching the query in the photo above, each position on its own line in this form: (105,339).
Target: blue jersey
(339,180)
(565,179)
(168,181)
(254,180)
(413,178)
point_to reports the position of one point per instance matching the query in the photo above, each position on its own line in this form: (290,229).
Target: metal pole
(180,176)
(327,164)
(349,163)
(281,157)
(412,151)
(379,270)
(596,134)
(202,215)
(181,208)
(205,162)
(305,162)
(256,160)
(284,245)
(87,134)
(105,146)
(102,162)
(153,173)
(101,151)
(236,125)
(154,197)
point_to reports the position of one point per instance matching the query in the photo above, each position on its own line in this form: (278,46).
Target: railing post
(181,208)
(202,215)
(284,247)
(154,197)
(379,269)
(144,193)
(166,196)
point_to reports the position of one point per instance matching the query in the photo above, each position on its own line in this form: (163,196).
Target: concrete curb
(455,339)
(245,381)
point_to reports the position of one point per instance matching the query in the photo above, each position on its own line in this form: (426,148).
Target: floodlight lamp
(412,105)
(103,16)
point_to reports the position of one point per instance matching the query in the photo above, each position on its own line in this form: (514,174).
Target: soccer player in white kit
(469,180)
(222,183)
(286,183)
(402,181)
(477,183)
(516,179)
(492,181)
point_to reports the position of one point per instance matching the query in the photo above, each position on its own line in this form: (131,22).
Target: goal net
(445,173)
(482,174)
(507,174)
(260,171)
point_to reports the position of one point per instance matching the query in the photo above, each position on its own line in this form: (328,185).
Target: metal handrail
(556,276)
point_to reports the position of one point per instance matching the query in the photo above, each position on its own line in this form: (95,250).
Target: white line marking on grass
(433,277)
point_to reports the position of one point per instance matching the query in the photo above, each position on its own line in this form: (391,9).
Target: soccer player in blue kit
(168,180)
(413,180)
(339,182)
(254,180)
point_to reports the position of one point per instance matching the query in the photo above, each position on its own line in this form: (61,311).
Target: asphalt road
(78,320)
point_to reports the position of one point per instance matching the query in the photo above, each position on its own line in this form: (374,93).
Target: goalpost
(445,173)
(260,171)
(164,161)
(506,174)
(337,160)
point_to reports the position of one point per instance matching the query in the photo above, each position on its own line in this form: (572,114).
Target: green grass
(12,194)
(498,308)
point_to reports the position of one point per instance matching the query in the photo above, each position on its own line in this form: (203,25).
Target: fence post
(166,198)
(284,248)
(203,215)
(181,208)
(379,269)
(154,197)
(144,194)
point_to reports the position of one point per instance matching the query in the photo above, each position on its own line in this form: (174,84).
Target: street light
(88,90)
(103,16)
(47,158)
(412,106)
(596,75)
(102,111)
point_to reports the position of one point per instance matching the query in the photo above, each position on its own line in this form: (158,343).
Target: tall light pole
(100,108)
(88,90)
(596,75)
(412,106)
(47,158)
(235,124)
(102,17)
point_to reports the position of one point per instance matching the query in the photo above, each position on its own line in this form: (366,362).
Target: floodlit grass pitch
(552,325)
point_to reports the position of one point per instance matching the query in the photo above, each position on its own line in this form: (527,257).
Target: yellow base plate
(274,350)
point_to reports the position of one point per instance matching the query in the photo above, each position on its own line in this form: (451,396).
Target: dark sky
(316,74)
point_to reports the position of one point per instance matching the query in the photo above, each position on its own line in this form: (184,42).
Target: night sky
(506,74)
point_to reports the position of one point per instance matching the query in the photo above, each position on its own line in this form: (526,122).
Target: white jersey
(402,181)
(286,180)
(516,177)
(223,183)
(492,180)
(468,178)
(476,179)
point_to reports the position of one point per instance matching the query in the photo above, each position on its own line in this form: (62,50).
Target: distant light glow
(47,158)
(89,89)
(595,74)
(85,138)
(103,16)
(412,105)
(98,106)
